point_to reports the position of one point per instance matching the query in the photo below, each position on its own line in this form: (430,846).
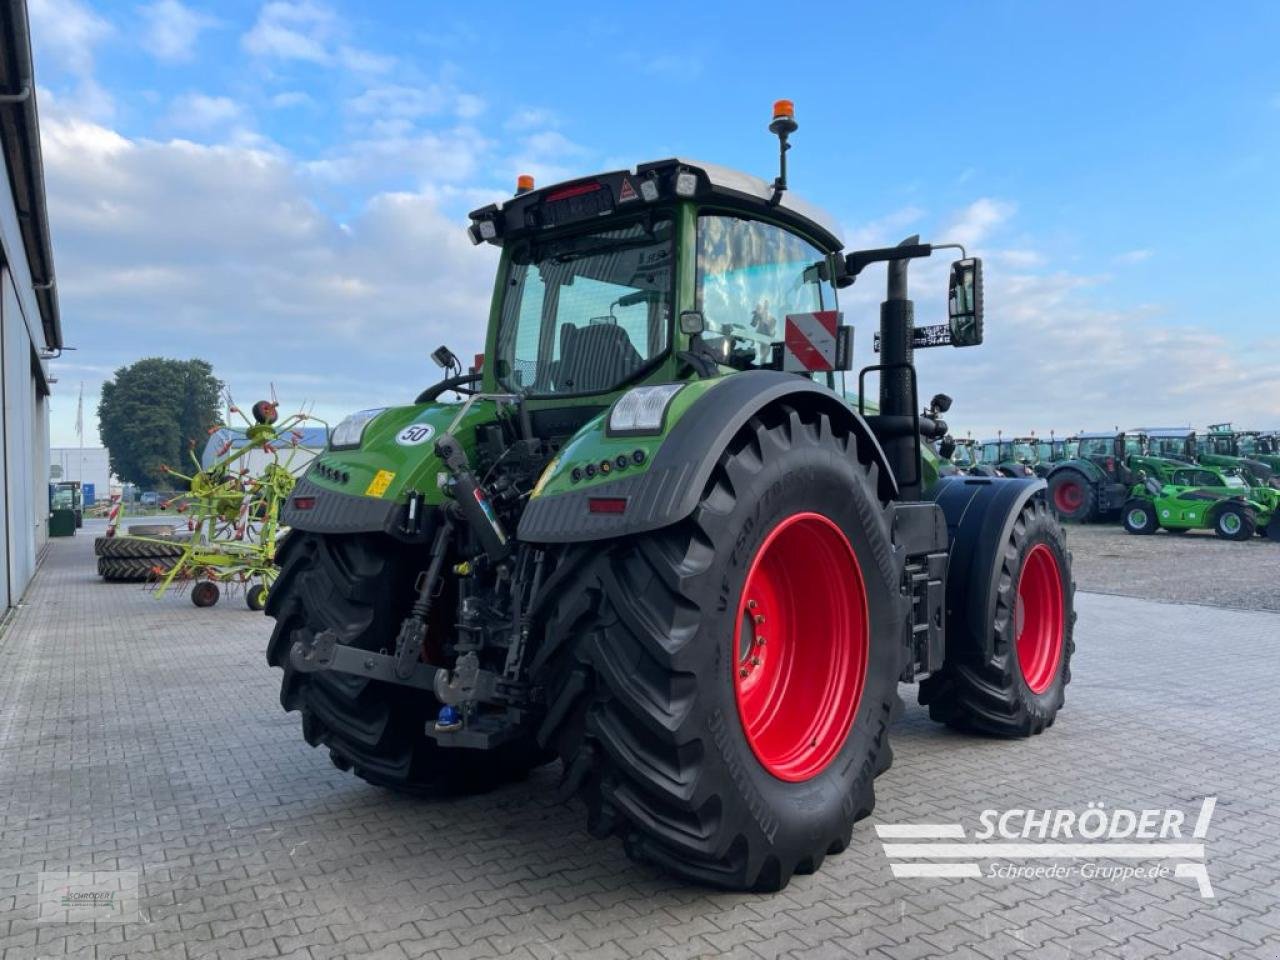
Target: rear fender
(676,472)
(980,514)
(1090,470)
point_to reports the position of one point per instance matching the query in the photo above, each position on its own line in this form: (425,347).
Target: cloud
(291,98)
(65,34)
(972,225)
(311,33)
(201,112)
(1134,256)
(170,29)
(292,31)
(218,251)
(531,118)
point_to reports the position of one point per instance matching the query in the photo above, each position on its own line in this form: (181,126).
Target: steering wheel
(462,385)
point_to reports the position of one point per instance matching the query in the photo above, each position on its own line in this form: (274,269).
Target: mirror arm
(853,263)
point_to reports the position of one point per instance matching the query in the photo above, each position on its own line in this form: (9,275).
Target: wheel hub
(801,646)
(1068,497)
(1038,618)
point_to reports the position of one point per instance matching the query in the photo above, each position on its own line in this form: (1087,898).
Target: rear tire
(135,548)
(1234,522)
(1019,689)
(1073,496)
(647,703)
(1139,517)
(360,586)
(132,569)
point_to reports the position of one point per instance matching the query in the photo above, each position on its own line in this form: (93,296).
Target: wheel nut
(743,672)
(755,661)
(751,604)
(759,641)
(759,618)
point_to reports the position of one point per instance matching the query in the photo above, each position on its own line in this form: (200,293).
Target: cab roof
(620,192)
(1165,433)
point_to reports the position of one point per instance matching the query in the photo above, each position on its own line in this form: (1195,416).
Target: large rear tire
(134,548)
(360,586)
(133,569)
(1073,496)
(1018,689)
(718,756)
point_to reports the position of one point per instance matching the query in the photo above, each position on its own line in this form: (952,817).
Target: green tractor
(1004,457)
(1261,445)
(1050,452)
(961,452)
(1095,481)
(1202,498)
(653,541)
(1174,444)
(1221,447)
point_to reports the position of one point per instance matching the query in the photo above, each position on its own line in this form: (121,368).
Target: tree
(152,412)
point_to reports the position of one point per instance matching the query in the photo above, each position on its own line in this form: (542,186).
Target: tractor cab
(1223,447)
(1261,446)
(1171,443)
(1007,457)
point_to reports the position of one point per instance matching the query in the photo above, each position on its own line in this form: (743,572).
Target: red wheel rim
(1068,496)
(1038,620)
(801,646)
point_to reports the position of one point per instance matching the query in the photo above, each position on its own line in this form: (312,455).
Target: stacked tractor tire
(139,558)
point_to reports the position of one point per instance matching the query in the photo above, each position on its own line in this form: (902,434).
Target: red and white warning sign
(810,341)
(627,192)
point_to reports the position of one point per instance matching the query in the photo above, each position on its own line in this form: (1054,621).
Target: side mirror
(940,402)
(691,323)
(444,358)
(946,448)
(964,303)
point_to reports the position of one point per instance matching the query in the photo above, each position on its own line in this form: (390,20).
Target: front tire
(1234,522)
(360,586)
(718,766)
(1140,518)
(1017,689)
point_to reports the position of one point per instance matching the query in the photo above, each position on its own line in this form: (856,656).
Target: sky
(282,188)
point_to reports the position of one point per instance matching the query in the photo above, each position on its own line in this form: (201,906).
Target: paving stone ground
(146,735)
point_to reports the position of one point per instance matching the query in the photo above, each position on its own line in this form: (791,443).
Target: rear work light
(607,504)
(304,503)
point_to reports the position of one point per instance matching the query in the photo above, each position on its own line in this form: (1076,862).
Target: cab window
(750,275)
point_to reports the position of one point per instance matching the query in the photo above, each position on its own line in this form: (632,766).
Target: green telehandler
(652,540)
(1202,498)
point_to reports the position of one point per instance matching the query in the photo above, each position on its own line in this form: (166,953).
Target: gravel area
(1194,567)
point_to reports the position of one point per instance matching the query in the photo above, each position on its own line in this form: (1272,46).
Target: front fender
(980,513)
(675,472)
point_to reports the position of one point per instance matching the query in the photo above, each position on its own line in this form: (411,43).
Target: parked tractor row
(1152,478)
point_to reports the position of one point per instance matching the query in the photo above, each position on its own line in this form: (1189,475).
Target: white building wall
(26,510)
(88,465)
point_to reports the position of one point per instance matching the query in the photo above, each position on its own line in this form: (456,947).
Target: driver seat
(594,358)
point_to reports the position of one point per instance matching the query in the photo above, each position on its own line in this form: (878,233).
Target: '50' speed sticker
(415,434)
